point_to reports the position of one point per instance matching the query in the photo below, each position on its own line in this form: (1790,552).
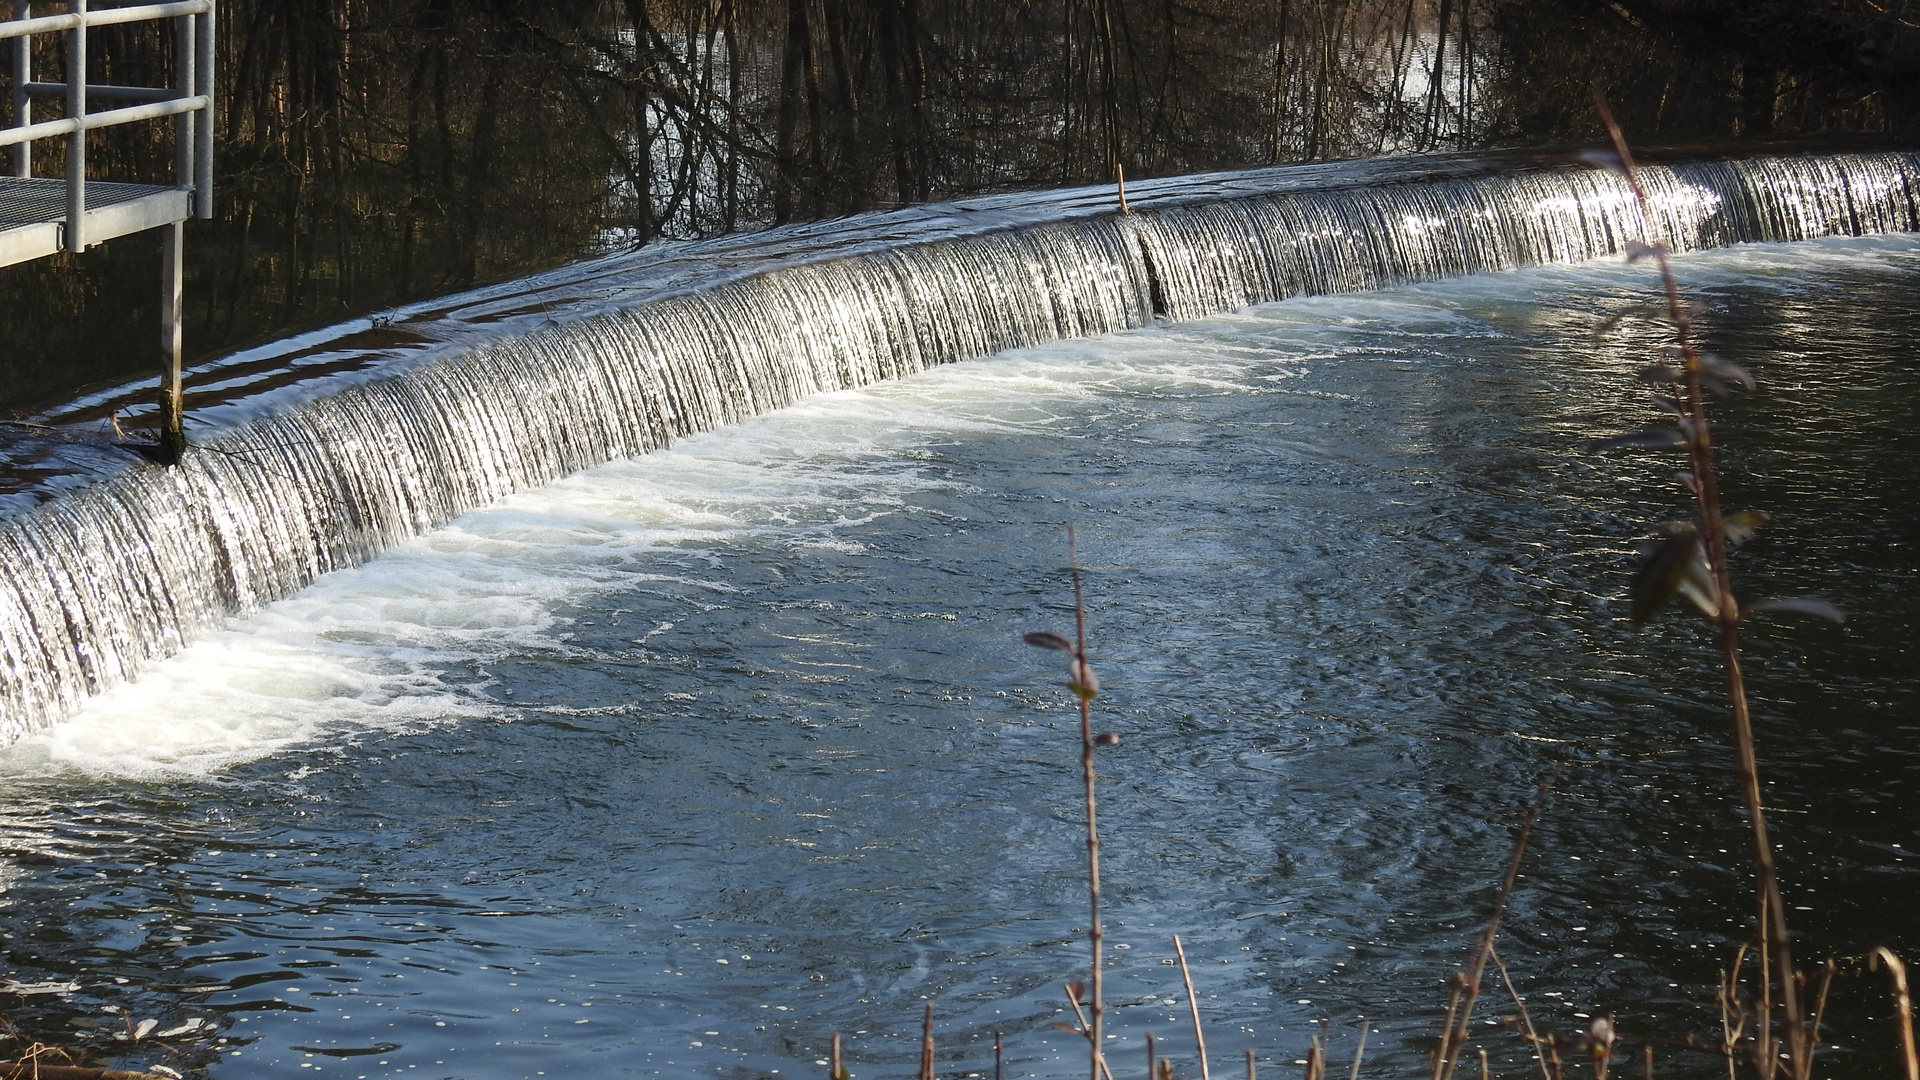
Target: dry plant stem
(1902,1006)
(926,1044)
(1460,1012)
(999,1057)
(1074,990)
(33,1070)
(1096,934)
(1526,1018)
(1250,1072)
(1456,990)
(1193,1008)
(1773,913)
(1733,1017)
(1359,1052)
(835,1071)
(1827,972)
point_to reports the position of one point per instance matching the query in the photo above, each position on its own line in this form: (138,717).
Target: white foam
(371,649)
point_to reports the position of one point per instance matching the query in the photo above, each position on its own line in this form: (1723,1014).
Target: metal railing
(189,100)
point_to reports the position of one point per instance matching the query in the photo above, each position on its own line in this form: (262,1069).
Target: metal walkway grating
(42,200)
(33,213)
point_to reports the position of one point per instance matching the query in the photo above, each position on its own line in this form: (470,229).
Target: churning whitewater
(98,581)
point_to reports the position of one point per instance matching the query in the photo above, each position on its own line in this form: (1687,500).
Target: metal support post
(184,128)
(76,232)
(203,120)
(173,439)
(22,100)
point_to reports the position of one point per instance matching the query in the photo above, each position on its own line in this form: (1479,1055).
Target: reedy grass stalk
(926,1044)
(1724,612)
(1526,1018)
(1086,686)
(1902,1005)
(1193,1009)
(1466,988)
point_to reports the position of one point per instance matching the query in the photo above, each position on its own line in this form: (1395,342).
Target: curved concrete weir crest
(320,452)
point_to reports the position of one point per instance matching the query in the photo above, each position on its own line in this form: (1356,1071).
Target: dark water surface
(682,764)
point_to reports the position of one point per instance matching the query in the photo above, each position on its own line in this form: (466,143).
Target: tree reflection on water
(372,153)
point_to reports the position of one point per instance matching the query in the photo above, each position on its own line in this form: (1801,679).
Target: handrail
(94,121)
(107,91)
(190,99)
(104,17)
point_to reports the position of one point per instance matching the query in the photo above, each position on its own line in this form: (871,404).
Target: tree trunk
(786,125)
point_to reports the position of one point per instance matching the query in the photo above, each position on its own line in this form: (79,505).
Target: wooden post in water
(173,439)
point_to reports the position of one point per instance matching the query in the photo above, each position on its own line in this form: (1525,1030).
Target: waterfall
(103,578)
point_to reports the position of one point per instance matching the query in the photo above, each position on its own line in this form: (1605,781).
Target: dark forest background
(375,151)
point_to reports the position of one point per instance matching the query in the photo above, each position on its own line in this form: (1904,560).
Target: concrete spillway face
(100,580)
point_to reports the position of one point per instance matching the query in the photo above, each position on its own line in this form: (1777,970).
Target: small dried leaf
(1648,311)
(1657,579)
(1665,403)
(1716,386)
(1685,476)
(1725,371)
(1083,681)
(1799,605)
(1603,159)
(1673,564)
(1637,251)
(1697,584)
(1653,438)
(1045,640)
(1740,527)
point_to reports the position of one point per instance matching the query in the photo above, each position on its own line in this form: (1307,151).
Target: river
(681,764)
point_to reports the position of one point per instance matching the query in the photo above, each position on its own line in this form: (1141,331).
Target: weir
(101,576)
